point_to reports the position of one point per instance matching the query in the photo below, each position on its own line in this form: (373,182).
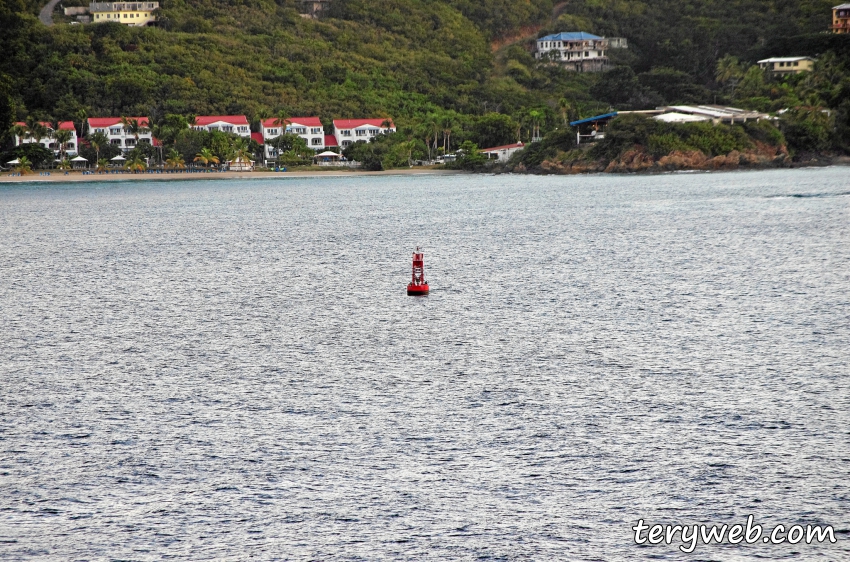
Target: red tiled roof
(204,120)
(101,122)
(330,141)
(304,121)
(68,125)
(354,123)
(257,137)
(495,148)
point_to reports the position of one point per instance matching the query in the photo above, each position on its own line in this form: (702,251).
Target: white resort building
(578,51)
(233,124)
(48,141)
(308,128)
(118,134)
(348,131)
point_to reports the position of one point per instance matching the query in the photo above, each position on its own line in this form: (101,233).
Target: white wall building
(48,141)
(118,134)
(308,128)
(578,51)
(502,153)
(348,131)
(233,124)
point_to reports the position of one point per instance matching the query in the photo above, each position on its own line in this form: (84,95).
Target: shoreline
(58,176)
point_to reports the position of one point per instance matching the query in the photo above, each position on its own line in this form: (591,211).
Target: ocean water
(231,370)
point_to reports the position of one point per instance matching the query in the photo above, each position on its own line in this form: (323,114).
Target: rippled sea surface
(232,370)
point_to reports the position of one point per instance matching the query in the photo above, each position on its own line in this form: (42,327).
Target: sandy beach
(58,176)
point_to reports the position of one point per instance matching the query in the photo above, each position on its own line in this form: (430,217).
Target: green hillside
(407,59)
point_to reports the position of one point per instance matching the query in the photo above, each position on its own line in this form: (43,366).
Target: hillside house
(119,135)
(577,51)
(136,14)
(502,153)
(841,19)
(48,141)
(781,66)
(348,131)
(308,128)
(232,124)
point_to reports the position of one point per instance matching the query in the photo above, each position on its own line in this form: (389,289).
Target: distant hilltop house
(136,14)
(841,19)
(787,65)
(313,9)
(48,141)
(578,51)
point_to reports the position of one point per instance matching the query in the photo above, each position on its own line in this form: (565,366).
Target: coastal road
(46,13)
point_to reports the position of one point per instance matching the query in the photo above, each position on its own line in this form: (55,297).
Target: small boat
(418,285)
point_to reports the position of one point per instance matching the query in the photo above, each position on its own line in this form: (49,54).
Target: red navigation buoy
(418,285)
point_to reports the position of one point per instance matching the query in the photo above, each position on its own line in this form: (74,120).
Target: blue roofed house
(575,50)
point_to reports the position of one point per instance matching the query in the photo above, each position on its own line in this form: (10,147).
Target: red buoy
(418,285)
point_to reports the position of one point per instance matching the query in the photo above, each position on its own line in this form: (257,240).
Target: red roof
(257,137)
(102,122)
(330,141)
(505,147)
(204,120)
(303,121)
(354,123)
(68,125)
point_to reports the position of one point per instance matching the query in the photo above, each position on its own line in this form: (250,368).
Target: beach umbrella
(79,159)
(118,158)
(15,161)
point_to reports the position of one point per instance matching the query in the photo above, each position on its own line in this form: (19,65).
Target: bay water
(231,370)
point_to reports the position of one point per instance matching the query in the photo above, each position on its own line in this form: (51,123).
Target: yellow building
(788,65)
(841,19)
(129,13)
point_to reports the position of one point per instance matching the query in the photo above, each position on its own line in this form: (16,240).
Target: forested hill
(399,58)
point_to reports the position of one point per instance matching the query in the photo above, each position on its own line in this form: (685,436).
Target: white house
(234,124)
(348,131)
(48,141)
(578,51)
(502,153)
(118,134)
(308,128)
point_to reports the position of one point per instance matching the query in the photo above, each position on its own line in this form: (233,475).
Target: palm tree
(102,165)
(65,164)
(62,136)
(535,115)
(97,141)
(281,119)
(240,150)
(205,157)
(729,71)
(18,130)
(134,127)
(24,166)
(36,129)
(566,108)
(175,160)
(81,116)
(136,164)
(262,115)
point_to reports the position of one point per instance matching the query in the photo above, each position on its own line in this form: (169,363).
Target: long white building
(349,131)
(117,134)
(308,128)
(48,141)
(233,124)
